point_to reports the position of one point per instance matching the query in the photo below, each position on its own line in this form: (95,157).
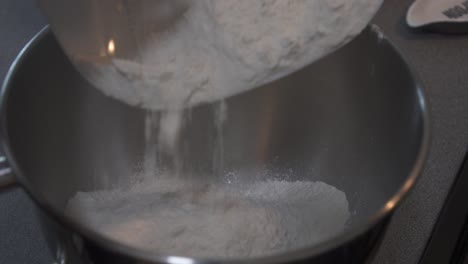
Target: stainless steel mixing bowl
(356,119)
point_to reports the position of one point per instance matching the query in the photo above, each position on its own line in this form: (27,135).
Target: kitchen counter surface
(441,63)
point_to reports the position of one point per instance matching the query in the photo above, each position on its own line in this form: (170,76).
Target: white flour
(223,47)
(167,216)
(220,48)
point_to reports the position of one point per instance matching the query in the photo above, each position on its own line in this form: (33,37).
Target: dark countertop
(442,65)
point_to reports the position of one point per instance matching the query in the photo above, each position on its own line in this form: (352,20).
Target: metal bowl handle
(7,179)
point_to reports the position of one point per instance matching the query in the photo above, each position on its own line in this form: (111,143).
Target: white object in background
(447,16)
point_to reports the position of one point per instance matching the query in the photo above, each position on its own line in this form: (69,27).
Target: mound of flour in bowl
(223,47)
(168,216)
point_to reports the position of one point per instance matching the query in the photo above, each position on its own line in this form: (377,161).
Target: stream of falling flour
(163,141)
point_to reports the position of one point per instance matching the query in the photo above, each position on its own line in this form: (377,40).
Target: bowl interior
(353,120)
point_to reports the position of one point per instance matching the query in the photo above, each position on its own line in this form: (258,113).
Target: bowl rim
(299,254)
